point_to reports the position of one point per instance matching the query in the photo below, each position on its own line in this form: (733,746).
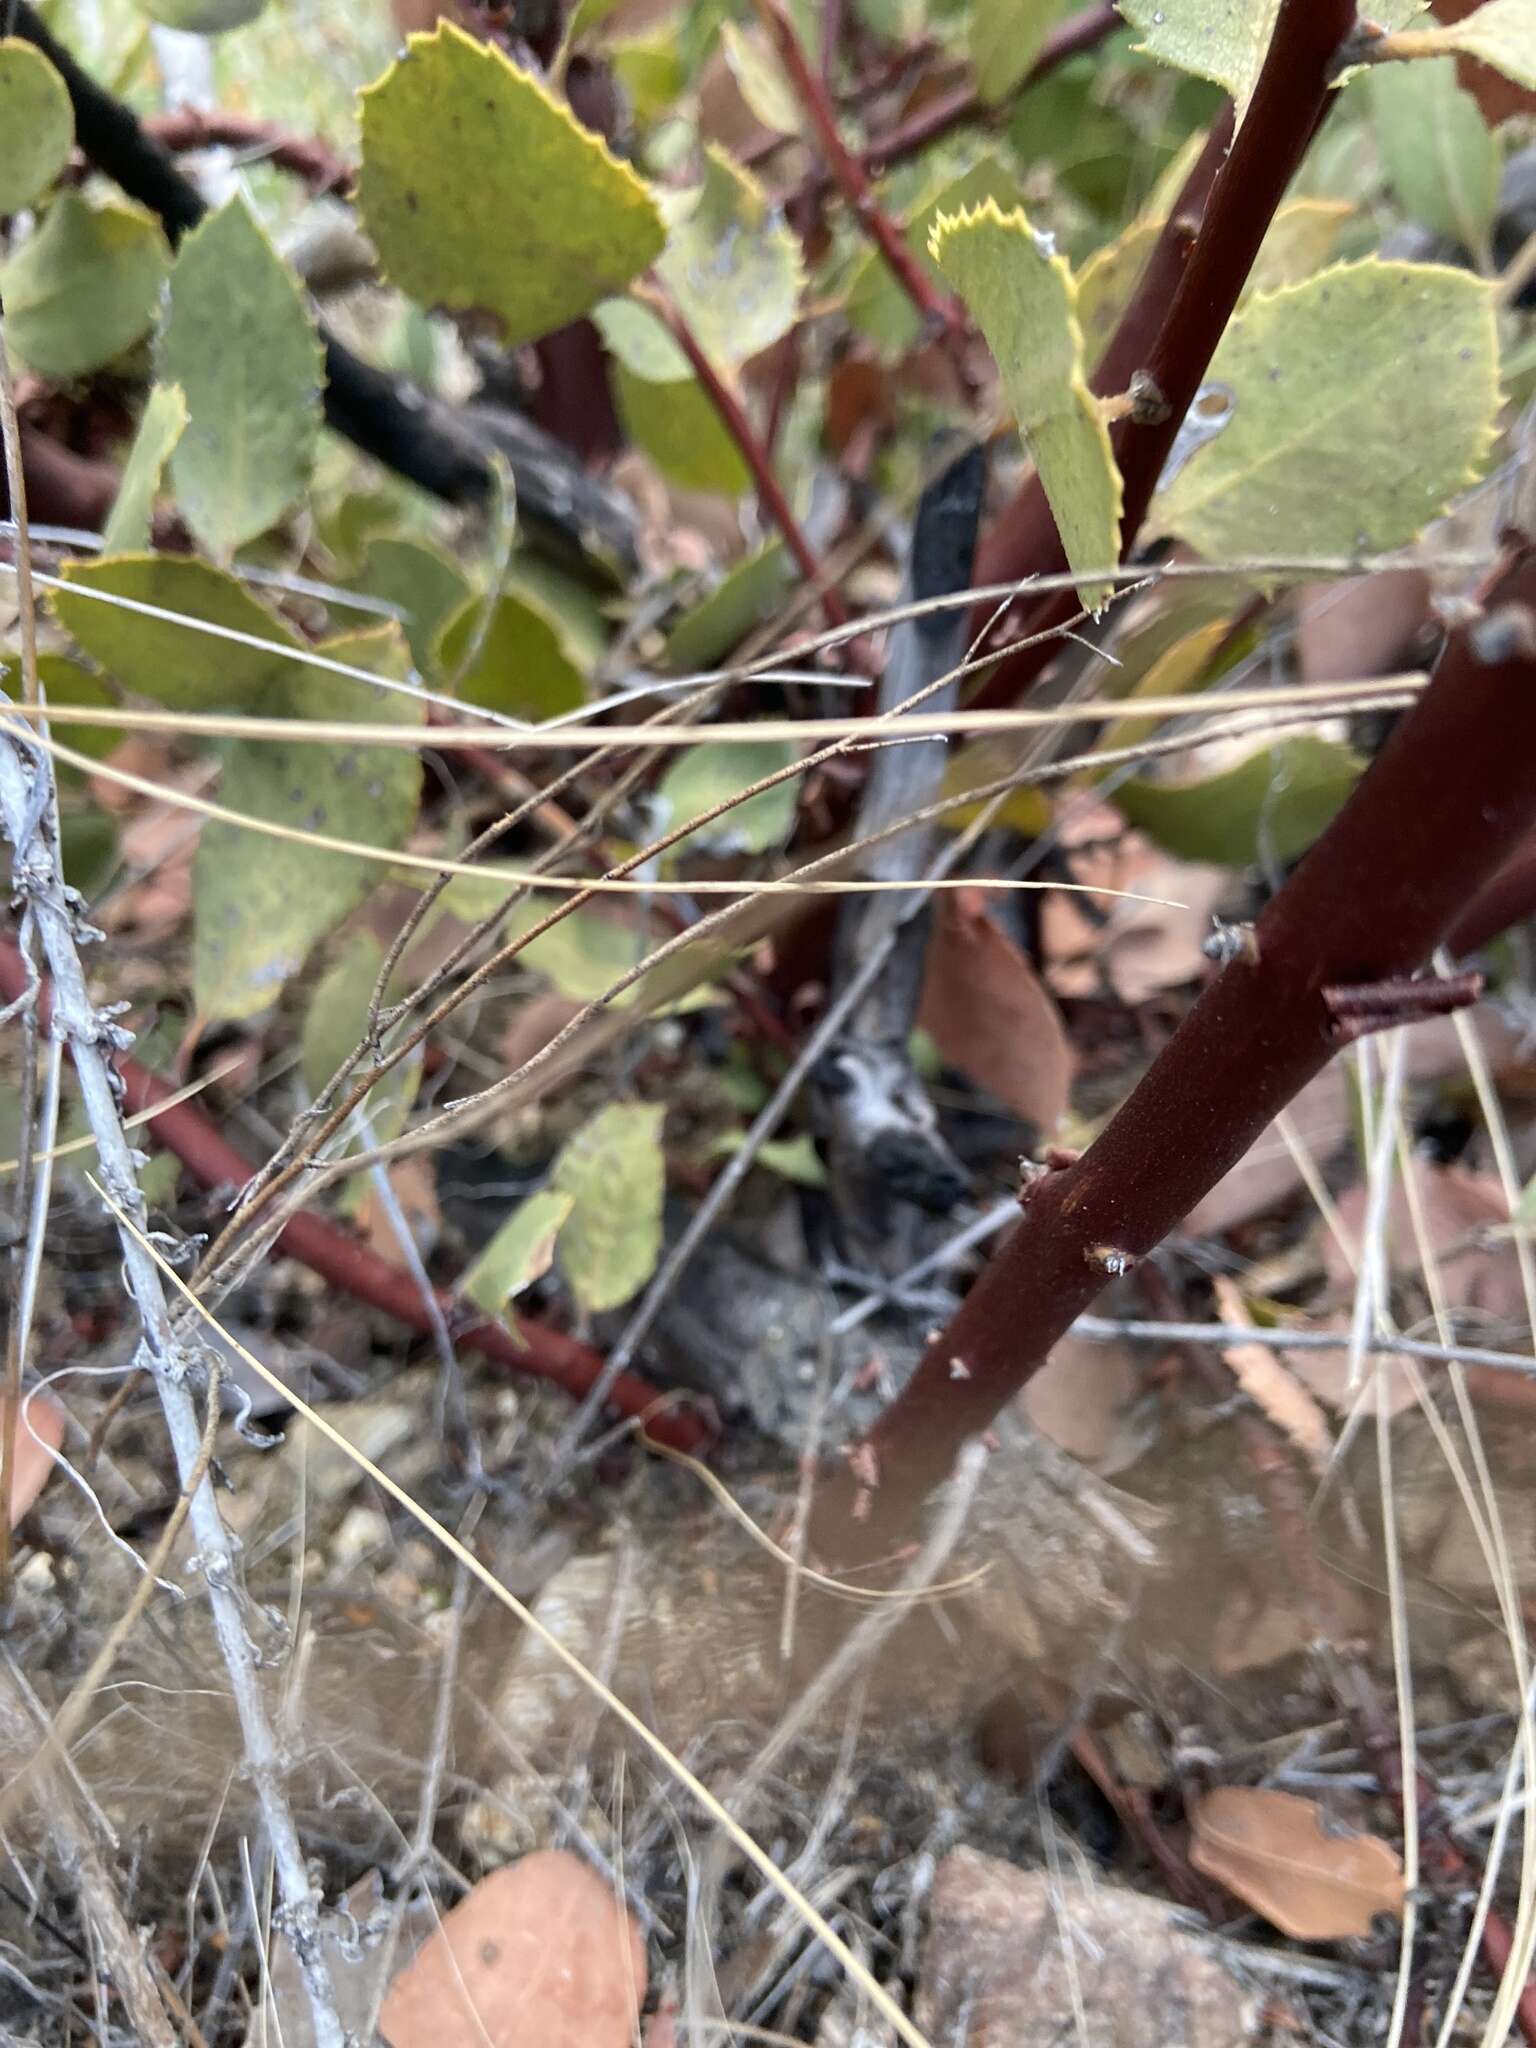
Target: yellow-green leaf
(84,287)
(161,425)
(480,190)
(613,1172)
(793,1159)
(260,903)
(876,303)
(1269,807)
(1438,152)
(1301,238)
(518,665)
(732,264)
(202,17)
(338,1010)
(37,124)
(1005,38)
(678,428)
(66,682)
(746,594)
(1024,299)
(705,776)
(240,341)
(760,78)
(168,659)
(422,581)
(1363,401)
(1500,32)
(521,1252)
(1226,40)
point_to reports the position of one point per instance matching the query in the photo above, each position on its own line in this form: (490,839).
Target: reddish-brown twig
(188,128)
(184,1129)
(1433,817)
(1070,38)
(733,417)
(848,174)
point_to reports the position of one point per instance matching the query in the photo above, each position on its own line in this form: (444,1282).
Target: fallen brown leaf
(1079,1399)
(539,1955)
(40,1418)
(1269,1383)
(987,1011)
(1271,1850)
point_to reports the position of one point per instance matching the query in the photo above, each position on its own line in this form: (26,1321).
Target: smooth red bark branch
(208,1156)
(1287,105)
(1435,815)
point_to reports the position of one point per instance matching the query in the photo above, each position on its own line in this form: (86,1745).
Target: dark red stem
(733,417)
(1287,105)
(188,128)
(209,1157)
(1433,817)
(1508,898)
(851,179)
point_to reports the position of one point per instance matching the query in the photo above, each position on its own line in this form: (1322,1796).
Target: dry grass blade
(1270,1385)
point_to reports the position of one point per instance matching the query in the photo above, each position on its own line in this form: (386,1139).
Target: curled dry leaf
(539,1955)
(1272,1850)
(989,1014)
(1269,1383)
(39,1433)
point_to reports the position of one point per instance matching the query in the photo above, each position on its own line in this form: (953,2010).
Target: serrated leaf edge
(448,32)
(1094,595)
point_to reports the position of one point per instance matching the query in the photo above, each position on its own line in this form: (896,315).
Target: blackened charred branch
(886,1155)
(445,452)
(1451,795)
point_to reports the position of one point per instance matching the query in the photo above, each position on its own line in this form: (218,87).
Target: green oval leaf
(1226,40)
(240,341)
(1024,299)
(420,579)
(85,287)
(260,903)
(168,659)
(480,190)
(37,124)
(1314,458)
(702,777)
(732,264)
(161,426)
(521,1252)
(613,1172)
(202,17)
(678,428)
(1439,154)
(1005,38)
(518,666)
(1268,807)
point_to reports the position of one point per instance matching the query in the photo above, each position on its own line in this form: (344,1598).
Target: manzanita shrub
(1150,254)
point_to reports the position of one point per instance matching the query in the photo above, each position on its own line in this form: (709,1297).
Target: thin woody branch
(733,417)
(932,303)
